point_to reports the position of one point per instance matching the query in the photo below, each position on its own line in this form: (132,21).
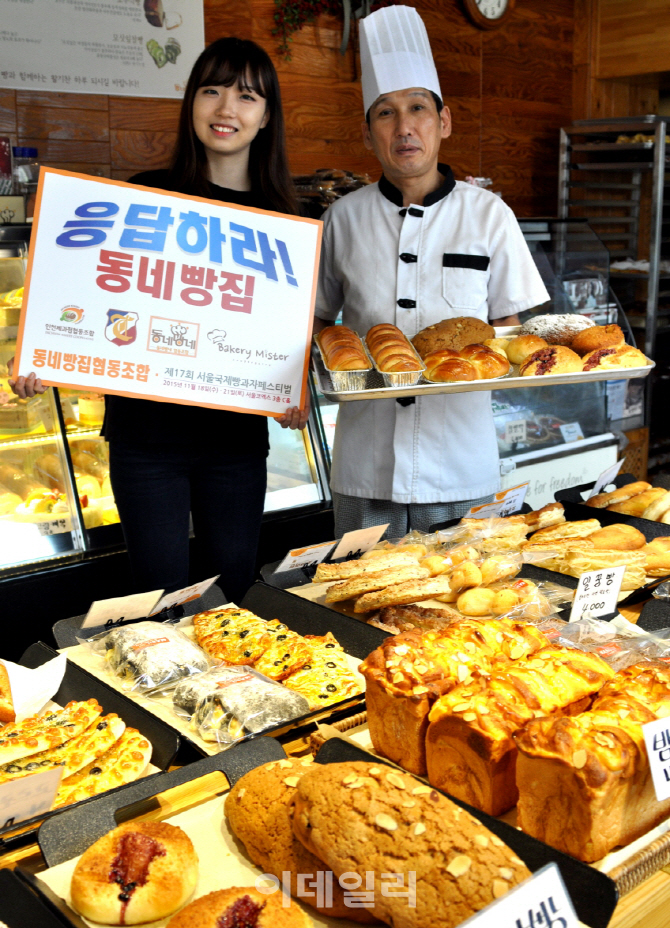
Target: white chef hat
(395,54)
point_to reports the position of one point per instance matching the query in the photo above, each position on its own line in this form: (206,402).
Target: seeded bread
(259,811)
(362,817)
(470,751)
(584,783)
(408,672)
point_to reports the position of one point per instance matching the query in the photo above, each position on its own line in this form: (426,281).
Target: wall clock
(488,14)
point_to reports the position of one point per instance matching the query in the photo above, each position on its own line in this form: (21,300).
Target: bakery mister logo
(121,328)
(72,314)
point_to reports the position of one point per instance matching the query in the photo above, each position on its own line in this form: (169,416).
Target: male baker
(413,249)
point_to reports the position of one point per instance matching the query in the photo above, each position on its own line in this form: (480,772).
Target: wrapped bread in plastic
(152,655)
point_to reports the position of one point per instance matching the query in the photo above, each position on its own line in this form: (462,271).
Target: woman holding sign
(168,460)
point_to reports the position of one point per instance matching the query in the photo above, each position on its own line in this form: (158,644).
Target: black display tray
(26,903)
(78,684)
(68,833)
(594,894)
(576,510)
(655,615)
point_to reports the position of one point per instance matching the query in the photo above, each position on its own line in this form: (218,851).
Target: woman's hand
(25,387)
(295,418)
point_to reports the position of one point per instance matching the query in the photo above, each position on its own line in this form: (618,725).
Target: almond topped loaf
(470,749)
(360,817)
(408,672)
(585,785)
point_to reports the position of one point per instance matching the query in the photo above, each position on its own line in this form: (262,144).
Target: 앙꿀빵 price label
(141,292)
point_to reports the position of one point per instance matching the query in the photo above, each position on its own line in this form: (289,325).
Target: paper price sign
(571,431)
(657,739)
(187,595)
(606,478)
(28,796)
(121,609)
(145,293)
(358,542)
(597,593)
(504,502)
(305,557)
(542,901)
(515,431)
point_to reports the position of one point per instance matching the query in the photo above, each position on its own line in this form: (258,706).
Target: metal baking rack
(80,685)
(594,895)
(376,390)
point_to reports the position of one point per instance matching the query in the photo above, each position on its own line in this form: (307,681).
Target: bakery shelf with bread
(292,818)
(463,353)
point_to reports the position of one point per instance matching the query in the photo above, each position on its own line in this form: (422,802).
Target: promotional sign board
(120,47)
(139,292)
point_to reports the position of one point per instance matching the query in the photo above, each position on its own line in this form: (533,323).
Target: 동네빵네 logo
(71,314)
(121,328)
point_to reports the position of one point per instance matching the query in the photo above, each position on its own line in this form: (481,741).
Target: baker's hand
(295,418)
(25,387)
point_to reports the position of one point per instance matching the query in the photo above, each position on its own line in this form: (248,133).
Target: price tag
(597,593)
(187,595)
(121,609)
(657,739)
(28,796)
(354,544)
(515,431)
(305,557)
(541,901)
(605,478)
(504,502)
(54,527)
(571,431)
(616,398)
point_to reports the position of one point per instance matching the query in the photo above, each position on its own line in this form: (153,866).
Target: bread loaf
(470,751)
(342,349)
(408,672)
(584,782)
(349,569)
(391,350)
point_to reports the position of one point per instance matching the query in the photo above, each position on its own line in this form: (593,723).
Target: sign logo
(173,336)
(71,314)
(121,328)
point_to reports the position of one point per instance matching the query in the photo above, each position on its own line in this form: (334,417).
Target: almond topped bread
(470,750)
(584,782)
(408,672)
(365,817)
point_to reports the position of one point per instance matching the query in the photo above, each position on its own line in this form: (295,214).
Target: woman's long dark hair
(224,63)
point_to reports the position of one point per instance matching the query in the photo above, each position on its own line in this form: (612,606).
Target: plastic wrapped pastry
(152,655)
(227,703)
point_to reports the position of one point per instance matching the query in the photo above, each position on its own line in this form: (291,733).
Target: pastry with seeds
(360,817)
(259,809)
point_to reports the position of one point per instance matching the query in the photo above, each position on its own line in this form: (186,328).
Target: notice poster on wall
(141,48)
(139,292)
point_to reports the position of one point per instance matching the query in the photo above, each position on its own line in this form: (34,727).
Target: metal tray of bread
(344,381)
(375,389)
(300,616)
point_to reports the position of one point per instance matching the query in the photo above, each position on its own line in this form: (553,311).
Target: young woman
(169,460)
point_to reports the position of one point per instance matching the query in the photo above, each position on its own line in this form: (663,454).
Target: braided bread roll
(474,362)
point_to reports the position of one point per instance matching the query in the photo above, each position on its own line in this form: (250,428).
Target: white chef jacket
(460,253)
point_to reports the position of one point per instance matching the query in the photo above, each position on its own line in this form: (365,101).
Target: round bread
(241,907)
(477,601)
(488,363)
(259,810)
(614,358)
(503,601)
(521,347)
(598,336)
(450,371)
(556,328)
(465,575)
(452,333)
(498,344)
(555,359)
(139,872)
(618,537)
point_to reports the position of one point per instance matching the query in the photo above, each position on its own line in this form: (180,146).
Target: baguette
(376,581)
(7,713)
(349,569)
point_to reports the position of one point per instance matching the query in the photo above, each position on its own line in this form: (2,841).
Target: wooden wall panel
(509,91)
(634,37)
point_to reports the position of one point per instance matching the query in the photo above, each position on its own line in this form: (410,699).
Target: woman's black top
(146,422)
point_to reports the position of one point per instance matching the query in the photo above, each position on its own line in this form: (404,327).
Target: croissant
(474,362)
